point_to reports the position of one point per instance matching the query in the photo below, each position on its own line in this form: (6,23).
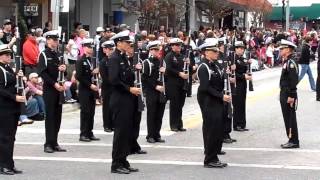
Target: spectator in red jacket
(30,53)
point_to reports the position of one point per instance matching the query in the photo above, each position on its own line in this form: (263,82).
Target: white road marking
(183,147)
(159,162)
(77,131)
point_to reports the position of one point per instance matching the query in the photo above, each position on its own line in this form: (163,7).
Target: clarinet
(227,91)
(186,64)
(233,72)
(137,75)
(163,97)
(61,78)
(95,64)
(18,61)
(249,72)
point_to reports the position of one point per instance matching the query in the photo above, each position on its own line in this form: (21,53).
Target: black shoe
(227,140)
(245,129)
(48,149)
(151,140)
(238,128)
(222,153)
(93,138)
(182,129)
(318,99)
(139,152)
(59,149)
(290,145)
(216,164)
(224,164)
(131,169)
(175,129)
(108,130)
(16,171)
(159,140)
(233,140)
(6,171)
(120,170)
(84,139)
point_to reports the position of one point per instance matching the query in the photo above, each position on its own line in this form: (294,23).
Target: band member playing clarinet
(211,98)
(9,111)
(49,68)
(123,103)
(288,93)
(106,89)
(153,82)
(87,91)
(239,99)
(176,78)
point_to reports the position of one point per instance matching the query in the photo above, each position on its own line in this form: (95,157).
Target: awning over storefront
(257,5)
(296,13)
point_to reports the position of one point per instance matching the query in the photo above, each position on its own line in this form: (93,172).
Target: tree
(214,9)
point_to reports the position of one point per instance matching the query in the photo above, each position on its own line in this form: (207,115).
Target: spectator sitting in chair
(35,91)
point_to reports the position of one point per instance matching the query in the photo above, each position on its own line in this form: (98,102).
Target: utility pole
(287,16)
(55,9)
(283,12)
(187,16)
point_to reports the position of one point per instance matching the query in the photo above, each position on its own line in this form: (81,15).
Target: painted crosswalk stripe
(77,132)
(160,162)
(183,147)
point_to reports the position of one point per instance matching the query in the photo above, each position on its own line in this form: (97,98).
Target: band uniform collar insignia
(284,66)
(292,65)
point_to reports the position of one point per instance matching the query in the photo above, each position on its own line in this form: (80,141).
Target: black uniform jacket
(212,81)
(48,67)
(150,74)
(121,75)
(104,72)
(84,72)
(8,91)
(174,65)
(289,77)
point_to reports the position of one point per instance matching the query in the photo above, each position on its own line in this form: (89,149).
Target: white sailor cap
(99,29)
(238,44)
(54,34)
(88,42)
(4,49)
(221,40)
(286,44)
(107,44)
(175,41)
(209,46)
(153,45)
(121,36)
(131,39)
(211,40)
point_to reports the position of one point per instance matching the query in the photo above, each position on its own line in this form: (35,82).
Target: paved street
(256,155)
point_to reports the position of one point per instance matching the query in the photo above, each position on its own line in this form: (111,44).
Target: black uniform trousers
(8,128)
(155,110)
(239,105)
(212,127)
(53,116)
(106,110)
(87,111)
(177,97)
(123,107)
(318,80)
(289,117)
(226,121)
(189,91)
(135,127)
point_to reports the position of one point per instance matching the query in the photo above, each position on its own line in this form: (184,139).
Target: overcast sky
(296,2)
